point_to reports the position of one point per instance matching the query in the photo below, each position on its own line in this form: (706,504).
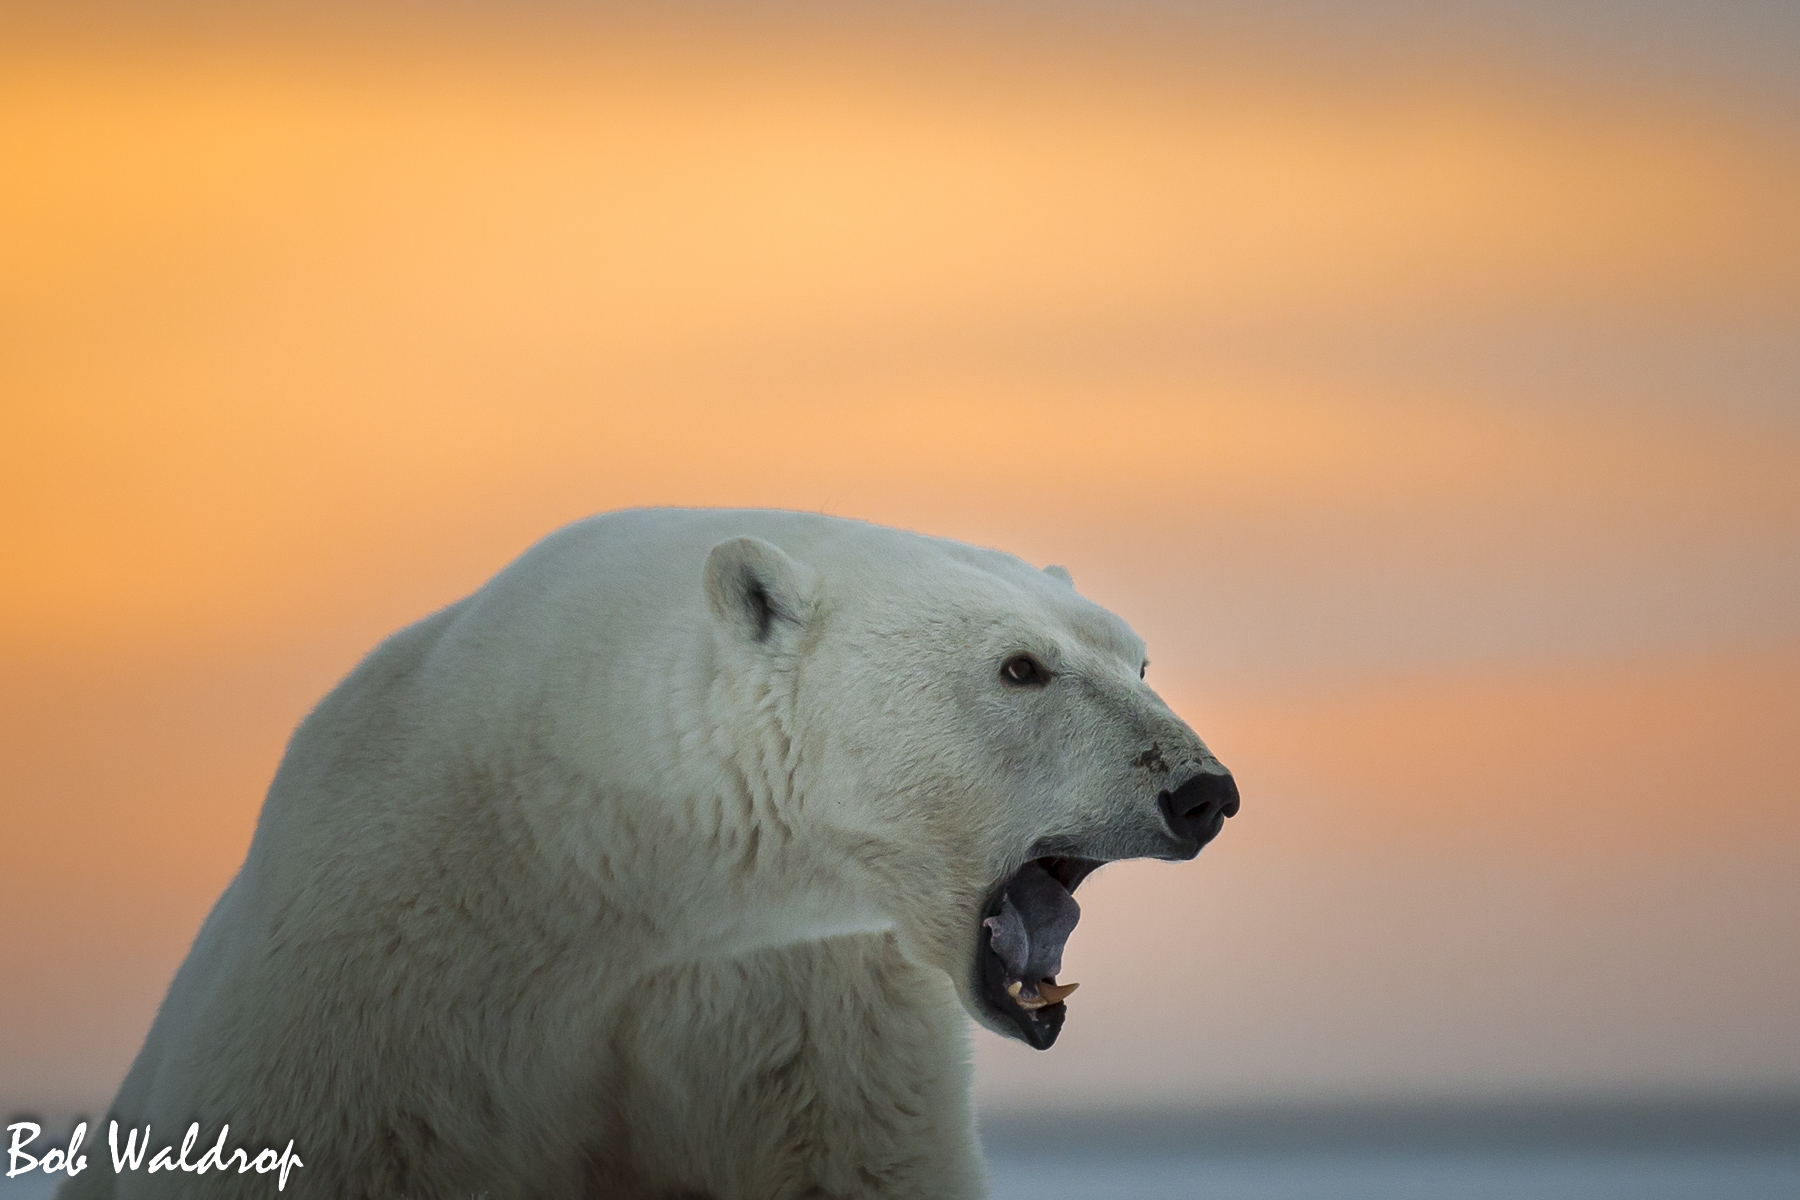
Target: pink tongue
(1036,916)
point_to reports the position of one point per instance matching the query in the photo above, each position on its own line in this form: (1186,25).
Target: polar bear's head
(976,736)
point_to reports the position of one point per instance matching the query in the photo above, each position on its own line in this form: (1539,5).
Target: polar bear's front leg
(834,1068)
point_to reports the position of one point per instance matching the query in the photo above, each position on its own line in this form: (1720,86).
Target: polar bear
(671,863)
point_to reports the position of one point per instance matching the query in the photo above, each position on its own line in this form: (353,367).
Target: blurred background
(1421,380)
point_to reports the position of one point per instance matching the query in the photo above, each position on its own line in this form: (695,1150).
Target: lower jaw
(1037,1027)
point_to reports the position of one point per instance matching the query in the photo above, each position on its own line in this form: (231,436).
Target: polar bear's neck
(690,809)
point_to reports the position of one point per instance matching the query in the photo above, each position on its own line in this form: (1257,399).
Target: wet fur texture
(652,870)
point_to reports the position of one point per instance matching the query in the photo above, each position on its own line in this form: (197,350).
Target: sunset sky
(1427,396)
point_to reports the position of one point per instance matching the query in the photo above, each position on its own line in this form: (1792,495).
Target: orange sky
(1415,412)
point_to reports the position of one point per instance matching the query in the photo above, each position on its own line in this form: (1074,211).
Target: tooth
(1055,993)
(1028,1003)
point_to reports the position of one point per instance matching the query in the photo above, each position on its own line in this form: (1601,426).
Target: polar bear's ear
(1060,574)
(754,588)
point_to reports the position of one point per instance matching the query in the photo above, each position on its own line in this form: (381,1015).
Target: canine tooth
(1055,993)
(1028,1003)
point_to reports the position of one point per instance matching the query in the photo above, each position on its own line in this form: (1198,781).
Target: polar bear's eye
(1022,670)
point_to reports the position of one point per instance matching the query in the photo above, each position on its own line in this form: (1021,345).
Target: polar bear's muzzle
(1028,919)
(1023,930)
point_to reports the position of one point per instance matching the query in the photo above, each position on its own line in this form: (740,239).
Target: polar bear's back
(649,560)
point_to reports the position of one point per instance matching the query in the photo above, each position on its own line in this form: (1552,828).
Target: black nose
(1197,808)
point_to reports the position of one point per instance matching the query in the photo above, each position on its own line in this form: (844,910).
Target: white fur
(654,868)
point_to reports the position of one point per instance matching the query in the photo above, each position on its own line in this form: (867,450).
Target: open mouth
(1023,930)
